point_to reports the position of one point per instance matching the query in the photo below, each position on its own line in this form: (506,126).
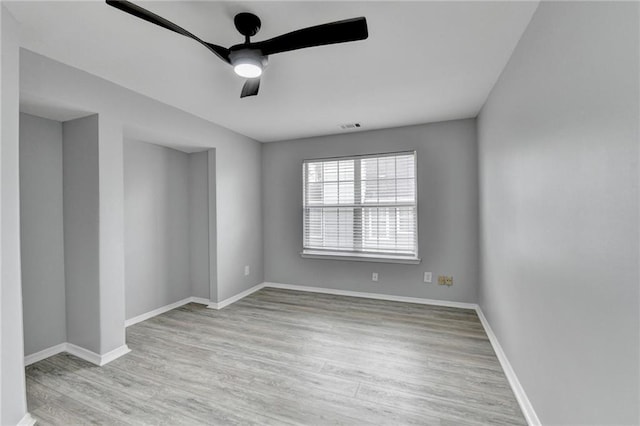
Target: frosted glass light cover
(248,70)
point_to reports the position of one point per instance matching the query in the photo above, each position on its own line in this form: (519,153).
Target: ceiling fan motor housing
(247,24)
(254,56)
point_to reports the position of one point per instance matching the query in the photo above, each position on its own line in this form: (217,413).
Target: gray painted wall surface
(447,210)
(237,172)
(13,402)
(213,225)
(238,210)
(111,233)
(41,233)
(558,149)
(157,217)
(81,231)
(199,224)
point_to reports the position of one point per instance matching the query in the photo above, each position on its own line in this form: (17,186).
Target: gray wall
(41,233)
(157,218)
(213,225)
(199,224)
(238,210)
(111,234)
(237,168)
(558,150)
(13,402)
(447,209)
(73,262)
(81,231)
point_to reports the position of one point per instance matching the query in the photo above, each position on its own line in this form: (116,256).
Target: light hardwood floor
(286,357)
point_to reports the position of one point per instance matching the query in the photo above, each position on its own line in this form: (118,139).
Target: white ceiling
(423,61)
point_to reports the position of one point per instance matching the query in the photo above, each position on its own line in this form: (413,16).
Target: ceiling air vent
(350,126)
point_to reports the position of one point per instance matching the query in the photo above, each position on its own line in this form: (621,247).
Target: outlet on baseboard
(374,276)
(247,270)
(427,277)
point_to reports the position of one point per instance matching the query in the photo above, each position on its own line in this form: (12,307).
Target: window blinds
(365,204)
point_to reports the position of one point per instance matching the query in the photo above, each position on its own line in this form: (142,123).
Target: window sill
(333,255)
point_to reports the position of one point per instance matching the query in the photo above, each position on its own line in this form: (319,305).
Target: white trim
(166,308)
(114,354)
(27,420)
(153,313)
(377,296)
(78,351)
(379,258)
(525,405)
(83,353)
(233,299)
(45,353)
(307,251)
(95,358)
(200,300)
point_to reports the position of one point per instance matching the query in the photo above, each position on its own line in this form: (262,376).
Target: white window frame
(361,255)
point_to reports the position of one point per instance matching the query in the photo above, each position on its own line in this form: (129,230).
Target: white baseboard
(27,420)
(166,308)
(97,359)
(45,353)
(377,296)
(348,293)
(525,405)
(81,353)
(114,354)
(200,300)
(153,313)
(233,299)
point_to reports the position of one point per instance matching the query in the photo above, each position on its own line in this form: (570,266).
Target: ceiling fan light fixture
(247,63)
(248,69)
(249,59)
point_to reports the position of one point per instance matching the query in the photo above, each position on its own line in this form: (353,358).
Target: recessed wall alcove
(74,294)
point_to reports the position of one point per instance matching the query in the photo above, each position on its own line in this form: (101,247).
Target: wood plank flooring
(286,357)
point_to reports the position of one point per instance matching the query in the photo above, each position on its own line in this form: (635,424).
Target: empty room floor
(286,357)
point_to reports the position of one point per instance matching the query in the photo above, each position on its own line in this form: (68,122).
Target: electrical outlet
(445,280)
(427,277)
(374,276)
(247,270)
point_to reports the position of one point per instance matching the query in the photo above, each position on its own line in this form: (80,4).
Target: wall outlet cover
(445,280)
(427,277)
(374,276)
(247,270)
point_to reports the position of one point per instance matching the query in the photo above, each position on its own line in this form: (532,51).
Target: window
(361,207)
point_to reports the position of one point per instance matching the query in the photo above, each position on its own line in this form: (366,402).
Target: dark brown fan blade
(250,87)
(148,16)
(320,35)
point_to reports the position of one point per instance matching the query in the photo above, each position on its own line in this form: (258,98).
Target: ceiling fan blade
(251,87)
(148,16)
(320,35)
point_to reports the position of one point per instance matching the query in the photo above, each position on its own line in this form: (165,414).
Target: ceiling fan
(250,58)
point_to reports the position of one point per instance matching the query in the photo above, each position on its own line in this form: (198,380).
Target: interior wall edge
(13,402)
(521,396)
